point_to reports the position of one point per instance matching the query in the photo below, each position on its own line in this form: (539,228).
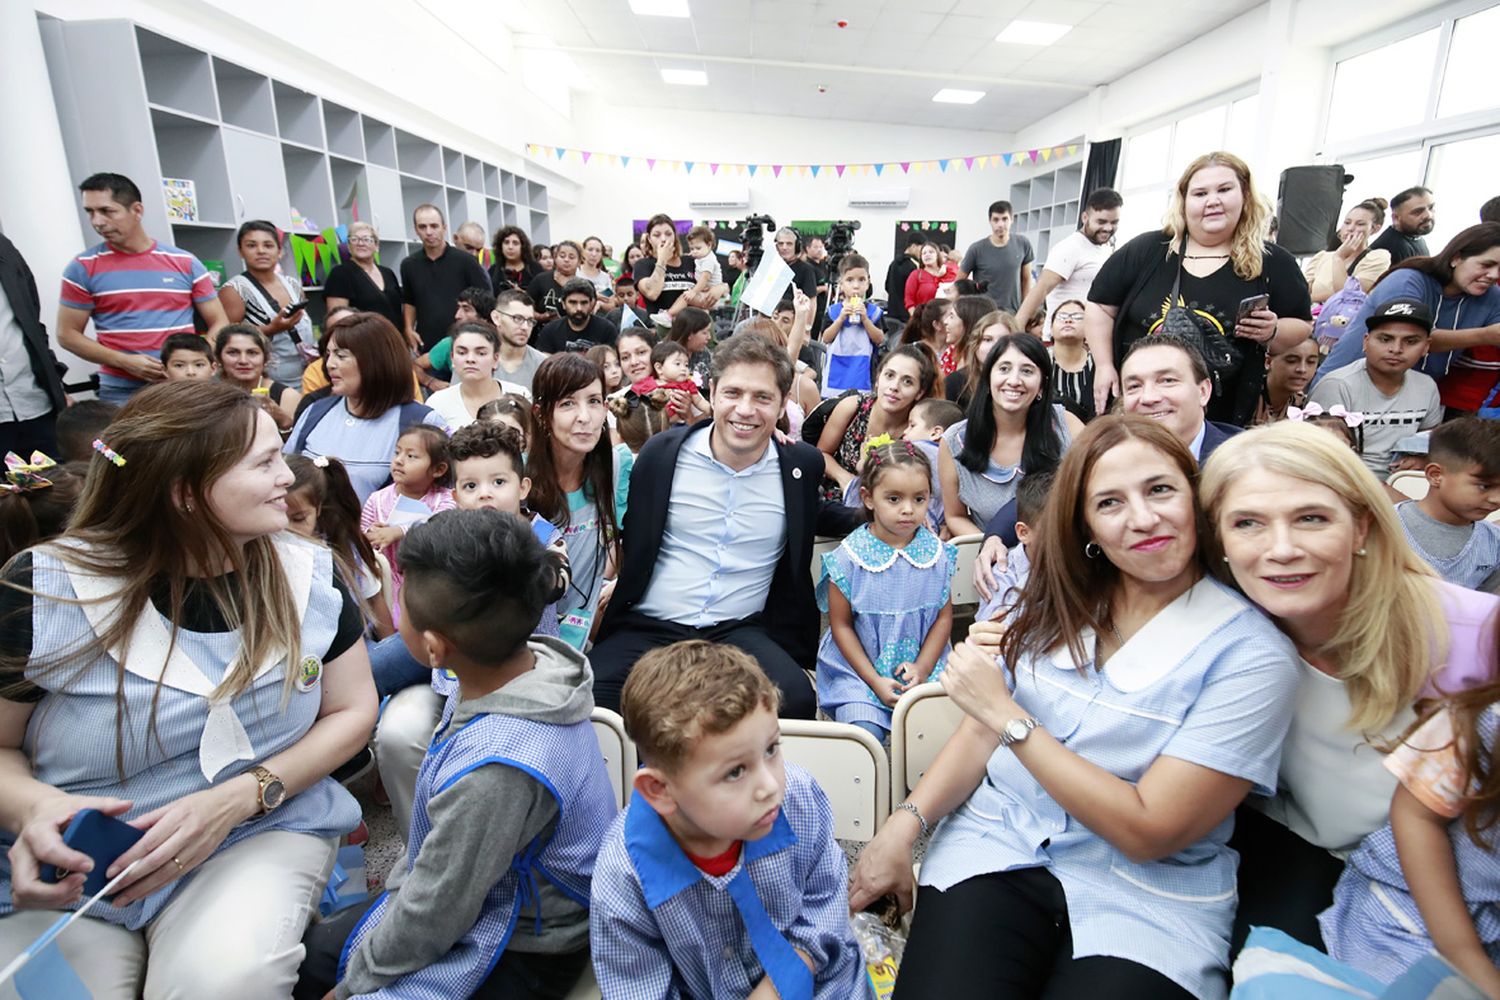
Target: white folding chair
(923,720)
(619,752)
(850,766)
(964,590)
(1409,482)
(620,760)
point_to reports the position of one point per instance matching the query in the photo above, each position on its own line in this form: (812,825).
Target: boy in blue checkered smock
(512,798)
(721,880)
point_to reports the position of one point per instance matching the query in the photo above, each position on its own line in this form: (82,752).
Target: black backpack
(814,422)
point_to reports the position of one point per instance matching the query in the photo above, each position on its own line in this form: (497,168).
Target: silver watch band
(909,807)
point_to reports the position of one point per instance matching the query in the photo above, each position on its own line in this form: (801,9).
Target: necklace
(1119,639)
(1205,256)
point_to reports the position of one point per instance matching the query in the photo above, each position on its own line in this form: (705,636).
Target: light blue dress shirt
(724,536)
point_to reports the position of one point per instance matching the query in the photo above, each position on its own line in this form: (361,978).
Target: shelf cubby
(473,174)
(177,76)
(380,142)
(536,196)
(244,98)
(189,148)
(308,187)
(453,167)
(491,181)
(342,127)
(297,115)
(418,157)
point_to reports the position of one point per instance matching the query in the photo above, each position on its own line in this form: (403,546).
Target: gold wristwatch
(272,792)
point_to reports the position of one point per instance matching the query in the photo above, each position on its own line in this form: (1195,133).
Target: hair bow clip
(109,453)
(1304,413)
(321,461)
(1351,418)
(875,442)
(22,476)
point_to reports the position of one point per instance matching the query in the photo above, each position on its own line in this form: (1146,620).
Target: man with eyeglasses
(1072,264)
(514,316)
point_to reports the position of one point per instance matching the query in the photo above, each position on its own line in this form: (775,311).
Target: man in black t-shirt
(577,322)
(1411,219)
(661,279)
(432,279)
(789,246)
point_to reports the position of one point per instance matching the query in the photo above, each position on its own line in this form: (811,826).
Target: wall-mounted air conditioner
(887,197)
(719,199)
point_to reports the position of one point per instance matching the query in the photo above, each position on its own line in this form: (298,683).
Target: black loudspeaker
(1307,206)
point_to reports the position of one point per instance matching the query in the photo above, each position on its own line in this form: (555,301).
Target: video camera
(753,235)
(840,241)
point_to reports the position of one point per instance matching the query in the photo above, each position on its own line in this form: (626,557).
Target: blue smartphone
(102,838)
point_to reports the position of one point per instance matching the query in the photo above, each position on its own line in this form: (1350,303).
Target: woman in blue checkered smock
(133,682)
(1087,798)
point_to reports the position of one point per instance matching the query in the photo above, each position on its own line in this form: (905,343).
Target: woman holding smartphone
(272,301)
(1233,283)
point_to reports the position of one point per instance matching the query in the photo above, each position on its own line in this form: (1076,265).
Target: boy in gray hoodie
(512,798)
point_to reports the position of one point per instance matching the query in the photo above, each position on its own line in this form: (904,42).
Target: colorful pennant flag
(976,161)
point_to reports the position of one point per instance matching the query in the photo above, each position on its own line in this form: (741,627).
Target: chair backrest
(963,590)
(821,546)
(850,766)
(1493,516)
(619,752)
(923,720)
(1409,482)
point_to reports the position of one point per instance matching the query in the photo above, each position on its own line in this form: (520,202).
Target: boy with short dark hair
(187,356)
(1447,527)
(1031,501)
(1394,400)
(925,427)
(78,425)
(512,798)
(722,878)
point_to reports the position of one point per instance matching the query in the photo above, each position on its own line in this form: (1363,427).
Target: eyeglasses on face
(1069,317)
(520,319)
(361,241)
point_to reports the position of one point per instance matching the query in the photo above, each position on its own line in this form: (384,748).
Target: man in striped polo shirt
(138,291)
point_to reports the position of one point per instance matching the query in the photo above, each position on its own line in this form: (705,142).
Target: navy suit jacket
(790,617)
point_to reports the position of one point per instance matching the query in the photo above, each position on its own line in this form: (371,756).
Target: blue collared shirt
(724,535)
(1197,446)
(660,928)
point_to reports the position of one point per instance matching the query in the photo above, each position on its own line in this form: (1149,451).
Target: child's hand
(889,690)
(909,674)
(383,535)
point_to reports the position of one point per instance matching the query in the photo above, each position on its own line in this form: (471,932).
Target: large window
(1422,108)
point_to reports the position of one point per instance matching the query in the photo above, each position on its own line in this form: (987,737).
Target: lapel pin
(796,473)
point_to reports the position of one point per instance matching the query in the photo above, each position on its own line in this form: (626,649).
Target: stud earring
(1361,551)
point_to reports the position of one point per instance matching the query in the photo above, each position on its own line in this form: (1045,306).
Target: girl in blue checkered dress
(1430,878)
(885,590)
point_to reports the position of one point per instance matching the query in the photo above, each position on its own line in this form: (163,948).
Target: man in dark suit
(31,391)
(719,535)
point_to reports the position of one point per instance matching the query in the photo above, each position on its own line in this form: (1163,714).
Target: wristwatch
(1015,731)
(272,792)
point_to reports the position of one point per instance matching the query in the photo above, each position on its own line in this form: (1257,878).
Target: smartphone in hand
(292,308)
(1252,304)
(102,838)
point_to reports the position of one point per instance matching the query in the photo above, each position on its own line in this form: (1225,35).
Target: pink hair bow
(1351,418)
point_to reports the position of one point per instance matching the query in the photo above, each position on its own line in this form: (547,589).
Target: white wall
(610,198)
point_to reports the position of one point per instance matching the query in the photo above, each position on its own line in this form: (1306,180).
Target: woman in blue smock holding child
(1086,798)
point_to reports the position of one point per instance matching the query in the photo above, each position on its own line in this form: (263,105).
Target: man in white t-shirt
(1072,264)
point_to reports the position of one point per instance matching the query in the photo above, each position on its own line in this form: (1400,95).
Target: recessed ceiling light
(1032,33)
(660,8)
(950,96)
(685,77)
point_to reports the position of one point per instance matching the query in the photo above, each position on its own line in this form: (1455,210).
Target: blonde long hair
(177,439)
(1247,246)
(1390,633)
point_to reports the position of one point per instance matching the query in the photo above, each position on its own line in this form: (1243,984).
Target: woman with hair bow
(36,499)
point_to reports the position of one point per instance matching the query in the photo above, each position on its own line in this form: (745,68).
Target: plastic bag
(882,946)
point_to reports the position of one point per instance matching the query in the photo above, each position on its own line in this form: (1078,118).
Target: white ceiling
(770,56)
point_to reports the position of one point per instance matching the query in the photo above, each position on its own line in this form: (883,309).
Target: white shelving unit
(1047,204)
(136,102)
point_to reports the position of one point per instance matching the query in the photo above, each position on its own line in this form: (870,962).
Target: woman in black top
(1072,365)
(361,284)
(514,266)
(1220,220)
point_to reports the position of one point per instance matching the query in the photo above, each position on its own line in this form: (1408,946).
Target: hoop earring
(1092,550)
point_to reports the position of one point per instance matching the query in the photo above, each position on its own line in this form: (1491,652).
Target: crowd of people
(1223,674)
